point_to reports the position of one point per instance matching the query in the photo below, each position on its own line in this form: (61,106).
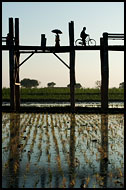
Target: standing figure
(83,35)
(57,40)
(57,37)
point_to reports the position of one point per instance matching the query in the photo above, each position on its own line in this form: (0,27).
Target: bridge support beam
(104,72)
(72,66)
(14,65)
(11,64)
(17,56)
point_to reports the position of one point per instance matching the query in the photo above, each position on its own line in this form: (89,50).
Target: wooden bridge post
(17,55)
(72,66)
(104,72)
(11,65)
(43,40)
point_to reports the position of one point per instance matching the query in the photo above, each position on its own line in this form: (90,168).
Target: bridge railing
(115,36)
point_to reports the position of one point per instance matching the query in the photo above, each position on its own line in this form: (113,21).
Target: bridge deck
(61,49)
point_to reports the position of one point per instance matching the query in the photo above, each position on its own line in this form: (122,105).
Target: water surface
(62,150)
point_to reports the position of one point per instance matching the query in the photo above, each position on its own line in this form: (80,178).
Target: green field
(63,94)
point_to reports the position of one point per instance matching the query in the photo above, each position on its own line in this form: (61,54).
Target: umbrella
(57,31)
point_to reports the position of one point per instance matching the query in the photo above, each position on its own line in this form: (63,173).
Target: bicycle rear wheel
(78,42)
(92,42)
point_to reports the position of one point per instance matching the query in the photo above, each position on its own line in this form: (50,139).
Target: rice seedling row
(63,150)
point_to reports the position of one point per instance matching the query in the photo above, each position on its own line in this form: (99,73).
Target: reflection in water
(104,149)
(56,180)
(103,152)
(72,153)
(14,151)
(62,169)
(43,178)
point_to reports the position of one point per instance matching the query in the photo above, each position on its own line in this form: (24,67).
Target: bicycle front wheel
(92,42)
(78,42)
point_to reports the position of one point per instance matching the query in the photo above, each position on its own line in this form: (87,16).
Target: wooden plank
(104,72)
(72,66)
(63,49)
(25,59)
(116,48)
(11,65)
(62,61)
(17,56)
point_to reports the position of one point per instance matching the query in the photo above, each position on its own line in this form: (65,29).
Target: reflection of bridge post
(43,178)
(104,145)
(72,152)
(14,151)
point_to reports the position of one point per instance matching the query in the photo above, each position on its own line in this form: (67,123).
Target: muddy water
(62,150)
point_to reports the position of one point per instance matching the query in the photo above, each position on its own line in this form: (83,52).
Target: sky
(36,18)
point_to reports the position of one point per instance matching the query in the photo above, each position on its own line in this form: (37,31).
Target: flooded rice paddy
(62,104)
(62,150)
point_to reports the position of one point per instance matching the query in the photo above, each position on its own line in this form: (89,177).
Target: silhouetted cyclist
(83,35)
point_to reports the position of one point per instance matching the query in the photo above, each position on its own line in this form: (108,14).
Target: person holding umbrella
(57,38)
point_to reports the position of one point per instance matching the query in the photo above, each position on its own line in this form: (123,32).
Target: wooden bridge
(61,49)
(15,50)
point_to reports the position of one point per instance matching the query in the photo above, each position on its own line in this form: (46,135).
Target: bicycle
(89,42)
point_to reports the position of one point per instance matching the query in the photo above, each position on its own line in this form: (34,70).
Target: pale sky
(36,18)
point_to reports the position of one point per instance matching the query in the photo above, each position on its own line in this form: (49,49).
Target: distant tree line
(29,83)
(121,85)
(51,84)
(77,85)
